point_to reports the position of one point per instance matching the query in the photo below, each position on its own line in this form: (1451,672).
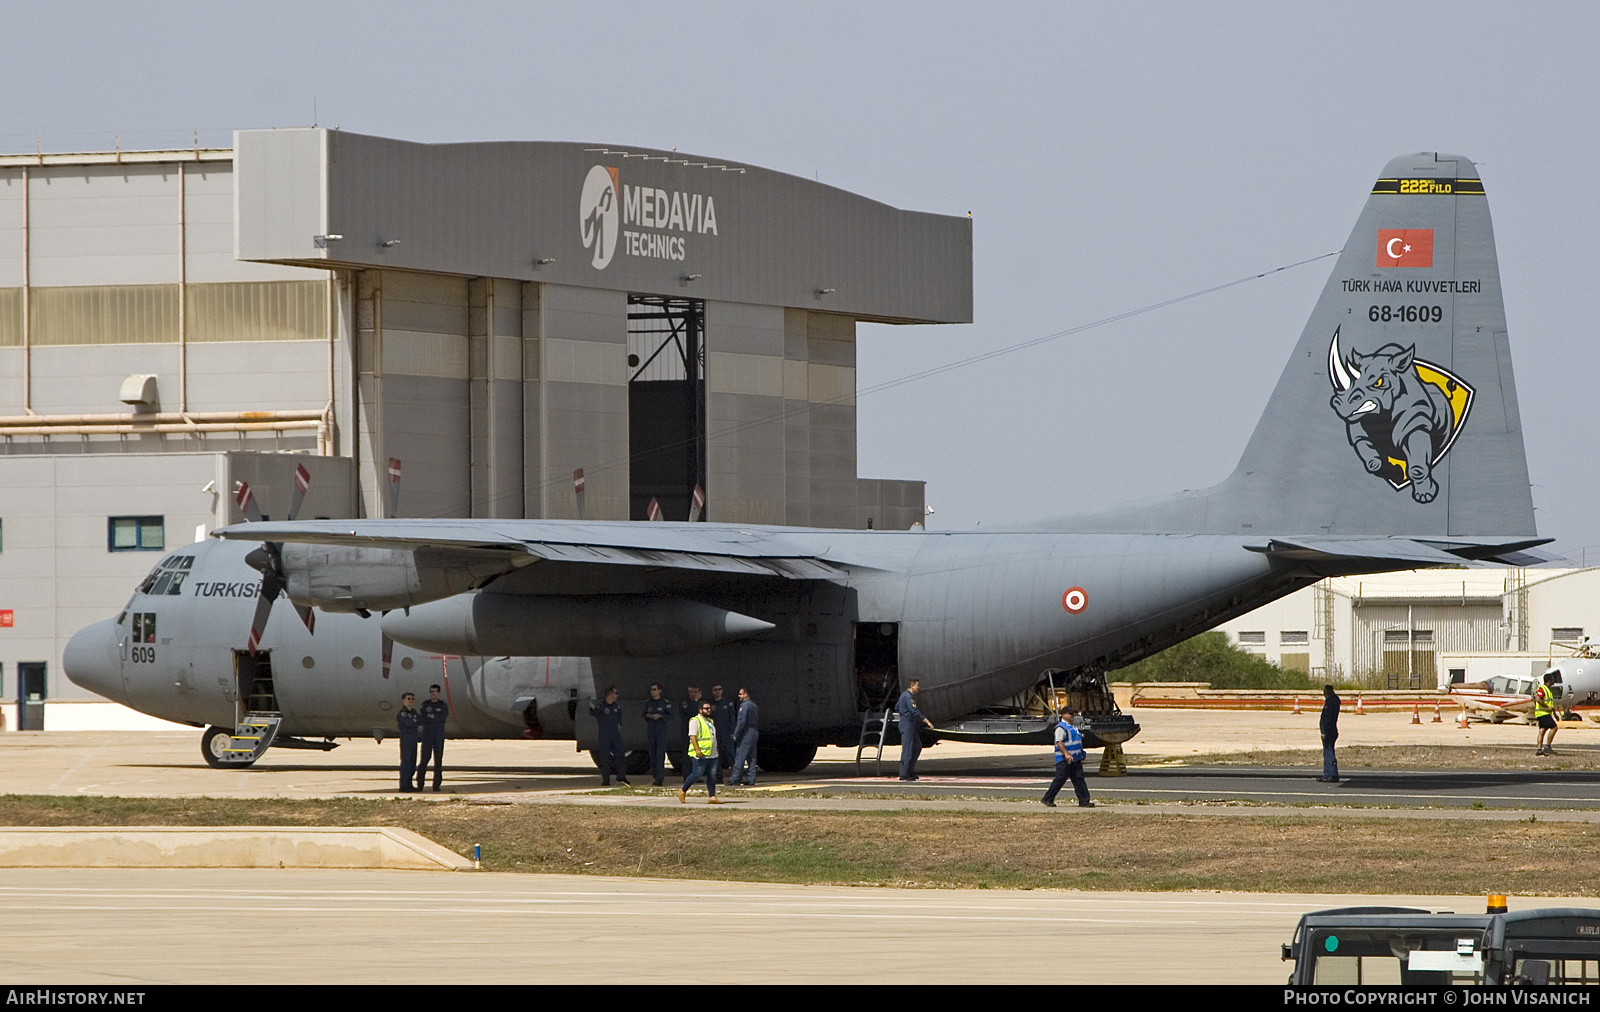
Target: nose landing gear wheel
(211,745)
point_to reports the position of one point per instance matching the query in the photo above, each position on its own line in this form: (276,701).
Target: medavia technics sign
(596,216)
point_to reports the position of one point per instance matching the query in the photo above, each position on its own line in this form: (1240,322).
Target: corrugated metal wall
(1475,626)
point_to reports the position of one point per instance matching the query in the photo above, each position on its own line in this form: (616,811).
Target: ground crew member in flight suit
(658,723)
(1069,761)
(746,733)
(702,753)
(910,731)
(724,715)
(435,712)
(1544,714)
(410,722)
(610,755)
(686,713)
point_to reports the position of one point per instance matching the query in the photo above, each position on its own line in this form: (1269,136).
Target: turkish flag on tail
(1405,247)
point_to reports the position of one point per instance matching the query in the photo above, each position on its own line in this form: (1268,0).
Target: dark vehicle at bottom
(1380,946)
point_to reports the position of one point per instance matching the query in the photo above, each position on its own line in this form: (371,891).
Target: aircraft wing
(703,548)
(1494,707)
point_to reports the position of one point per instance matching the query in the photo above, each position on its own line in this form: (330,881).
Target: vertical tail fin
(1397,413)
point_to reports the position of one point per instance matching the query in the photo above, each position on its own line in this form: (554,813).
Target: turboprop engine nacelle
(621,625)
(494,625)
(379,579)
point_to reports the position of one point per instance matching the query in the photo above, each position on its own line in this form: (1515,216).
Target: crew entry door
(255,692)
(877,649)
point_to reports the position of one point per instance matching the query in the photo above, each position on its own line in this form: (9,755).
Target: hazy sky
(1112,156)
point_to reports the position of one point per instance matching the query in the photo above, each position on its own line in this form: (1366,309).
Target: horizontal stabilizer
(1382,549)
(1528,558)
(1414,551)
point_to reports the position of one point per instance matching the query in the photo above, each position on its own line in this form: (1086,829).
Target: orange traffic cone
(1463,717)
(1436,718)
(1297,704)
(1416,715)
(1359,710)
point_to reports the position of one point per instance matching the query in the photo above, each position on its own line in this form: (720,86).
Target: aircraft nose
(91,659)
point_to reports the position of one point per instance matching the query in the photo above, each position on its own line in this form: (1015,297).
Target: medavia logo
(598,210)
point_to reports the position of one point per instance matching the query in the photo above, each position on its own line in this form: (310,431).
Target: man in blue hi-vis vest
(1069,761)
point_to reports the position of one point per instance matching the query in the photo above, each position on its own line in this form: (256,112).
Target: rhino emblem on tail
(1401,413)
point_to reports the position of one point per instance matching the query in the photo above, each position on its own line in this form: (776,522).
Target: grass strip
(1082,850)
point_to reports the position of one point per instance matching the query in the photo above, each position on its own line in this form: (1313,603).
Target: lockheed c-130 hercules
(1392,441)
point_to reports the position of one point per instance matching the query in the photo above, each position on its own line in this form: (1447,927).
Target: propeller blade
(302,481)
(388,654)
(247,501)
(308,615)
(697,502)
(258,624)
(653,511)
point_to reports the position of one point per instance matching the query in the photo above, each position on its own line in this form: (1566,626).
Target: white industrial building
(1428,627)
(495,318)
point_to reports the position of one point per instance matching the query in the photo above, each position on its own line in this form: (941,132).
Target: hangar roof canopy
(595,216)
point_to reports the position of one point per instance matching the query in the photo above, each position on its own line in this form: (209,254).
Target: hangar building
(1427,628)
(485,320)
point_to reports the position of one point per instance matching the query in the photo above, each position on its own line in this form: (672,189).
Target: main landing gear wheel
(211,745)
(784,758)
(636,762)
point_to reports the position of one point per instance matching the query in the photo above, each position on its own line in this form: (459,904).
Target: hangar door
(666,404)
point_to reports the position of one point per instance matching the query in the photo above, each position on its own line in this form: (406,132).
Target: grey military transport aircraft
(1392,441)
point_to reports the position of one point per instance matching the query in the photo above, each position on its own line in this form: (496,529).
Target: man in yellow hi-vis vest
(702,754)
(1544,714)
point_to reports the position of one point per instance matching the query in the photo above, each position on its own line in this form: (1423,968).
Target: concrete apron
(223,847)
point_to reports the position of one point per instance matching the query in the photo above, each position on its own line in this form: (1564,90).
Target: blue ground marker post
(477,857)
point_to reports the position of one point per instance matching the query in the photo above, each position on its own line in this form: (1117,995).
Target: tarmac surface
(359,926)
(226,926)
(168,764)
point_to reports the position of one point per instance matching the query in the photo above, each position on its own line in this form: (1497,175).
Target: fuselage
(330,684)
(976,617)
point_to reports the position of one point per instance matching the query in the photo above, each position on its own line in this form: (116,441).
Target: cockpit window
(167,578)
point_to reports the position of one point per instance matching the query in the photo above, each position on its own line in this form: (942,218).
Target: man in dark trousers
(911,721)
(1069,761)
(435,712)
(410,723)
(1330,734)
(610,755)
(724,715)
(658,723)
(687,712)
(746,733)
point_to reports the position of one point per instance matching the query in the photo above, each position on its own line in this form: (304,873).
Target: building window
(1567,634)
(1294,638)
(136,534)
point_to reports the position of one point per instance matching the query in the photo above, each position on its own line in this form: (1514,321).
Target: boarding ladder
(252,737)
(874,730)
